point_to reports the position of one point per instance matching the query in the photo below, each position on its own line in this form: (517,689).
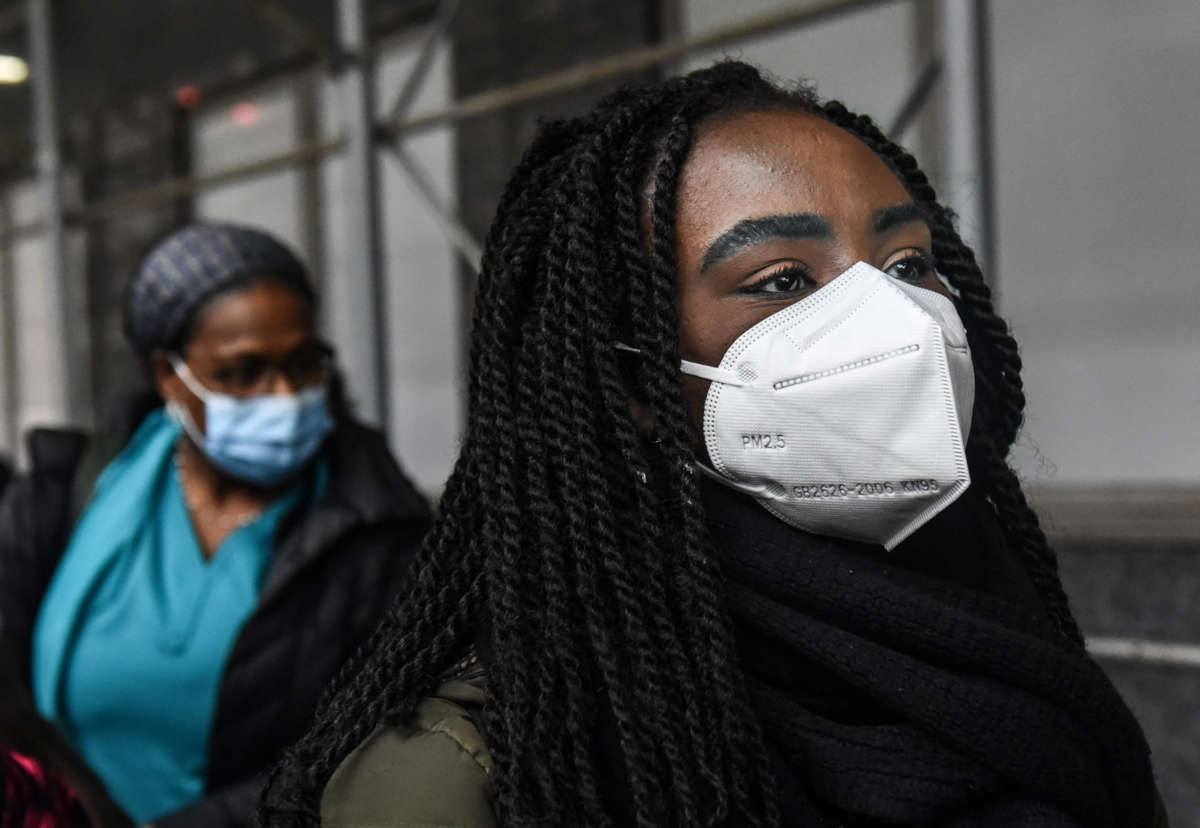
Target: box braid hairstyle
(572,544)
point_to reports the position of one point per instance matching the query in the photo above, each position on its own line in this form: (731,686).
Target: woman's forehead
(267,311)
(782,161)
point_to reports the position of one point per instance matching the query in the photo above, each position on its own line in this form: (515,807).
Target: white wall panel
(220,140)
(867,59)
(1098,135)
(28,396)
(422,283)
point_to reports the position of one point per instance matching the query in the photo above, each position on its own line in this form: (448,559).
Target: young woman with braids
(609,628)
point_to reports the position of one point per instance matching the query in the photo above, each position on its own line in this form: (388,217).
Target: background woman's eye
(242,375)
(912,268)
(251,371)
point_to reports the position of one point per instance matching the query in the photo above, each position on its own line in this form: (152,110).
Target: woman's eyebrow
(757,230)
(885,218)
(254,350)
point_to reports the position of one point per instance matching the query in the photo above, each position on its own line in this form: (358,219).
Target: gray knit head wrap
(190,267)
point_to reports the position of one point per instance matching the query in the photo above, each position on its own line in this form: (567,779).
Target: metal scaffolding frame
(399,125)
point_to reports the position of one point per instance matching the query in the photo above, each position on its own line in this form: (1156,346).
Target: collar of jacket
(55,452)
(366,488)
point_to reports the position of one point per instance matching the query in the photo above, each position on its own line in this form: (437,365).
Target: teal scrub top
(134,632)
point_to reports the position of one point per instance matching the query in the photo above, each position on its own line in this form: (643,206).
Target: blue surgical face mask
(263,439)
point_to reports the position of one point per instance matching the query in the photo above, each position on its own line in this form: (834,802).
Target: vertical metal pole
(456,230)
(988,247)
(60,402)
(308,91)
(8,378)
(355,293)
(966,122)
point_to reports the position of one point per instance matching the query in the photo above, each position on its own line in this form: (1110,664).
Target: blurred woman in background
(228,560)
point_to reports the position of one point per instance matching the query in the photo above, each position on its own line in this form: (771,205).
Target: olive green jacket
(433,773)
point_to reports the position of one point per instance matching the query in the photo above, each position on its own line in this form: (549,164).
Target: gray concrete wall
(28,400)
(868,60)
(1148,591)
(1098,135)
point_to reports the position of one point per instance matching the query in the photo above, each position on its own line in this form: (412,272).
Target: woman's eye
(912,268)
(241,375)
(786,280)
(250,372)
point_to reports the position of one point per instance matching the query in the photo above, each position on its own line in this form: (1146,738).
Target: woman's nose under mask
(263,439)
(847,412)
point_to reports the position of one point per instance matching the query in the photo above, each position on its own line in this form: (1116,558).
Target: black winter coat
(335,568)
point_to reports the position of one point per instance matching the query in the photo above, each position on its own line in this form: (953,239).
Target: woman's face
(257,340)
(771,206)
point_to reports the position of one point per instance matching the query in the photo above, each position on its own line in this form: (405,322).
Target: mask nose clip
(747,373)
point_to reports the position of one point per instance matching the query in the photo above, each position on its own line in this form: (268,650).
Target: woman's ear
(162,374)
(628,362)
(642,417)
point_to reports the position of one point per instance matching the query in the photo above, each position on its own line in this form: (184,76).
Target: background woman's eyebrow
(757,230)
(885,218)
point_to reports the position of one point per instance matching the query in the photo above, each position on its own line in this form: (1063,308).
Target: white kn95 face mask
(846,413)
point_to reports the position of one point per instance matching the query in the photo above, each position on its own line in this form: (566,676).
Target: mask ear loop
(630,379)
(758,491)
(711,373)
(183,418)
(725,377)
(185,374)
(176,410)
(696,369)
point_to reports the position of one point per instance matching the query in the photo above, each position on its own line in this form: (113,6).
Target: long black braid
(572,545)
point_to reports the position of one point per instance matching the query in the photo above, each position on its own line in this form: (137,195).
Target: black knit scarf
(924,686)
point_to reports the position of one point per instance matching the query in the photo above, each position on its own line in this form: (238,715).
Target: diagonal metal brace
(434,35)
(915,102)
(452,224)
(456,231)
